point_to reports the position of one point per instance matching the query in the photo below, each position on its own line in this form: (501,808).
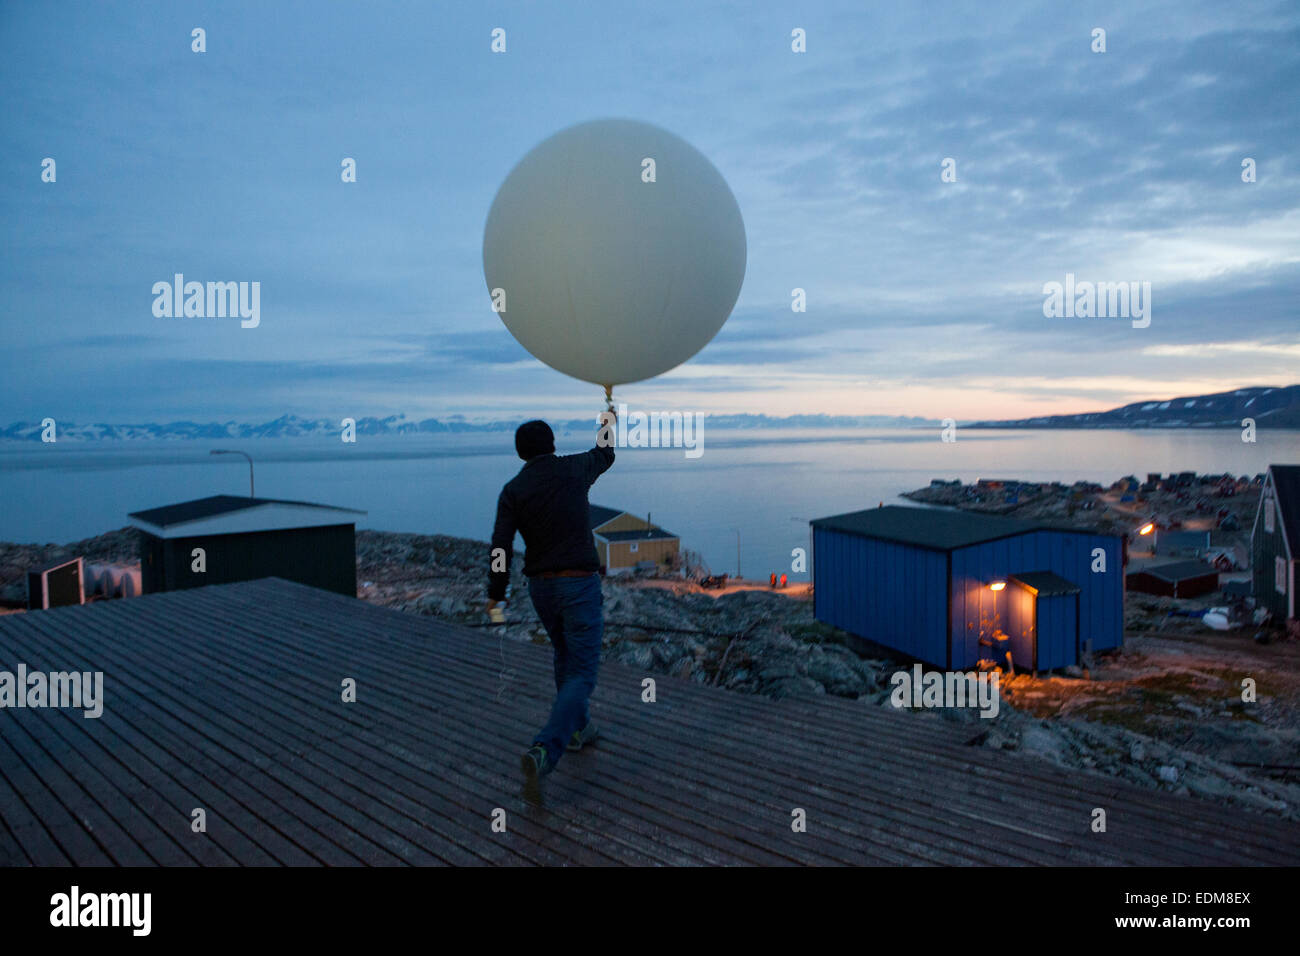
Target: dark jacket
(547,504)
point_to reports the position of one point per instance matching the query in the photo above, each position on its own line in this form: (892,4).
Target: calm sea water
(760,486)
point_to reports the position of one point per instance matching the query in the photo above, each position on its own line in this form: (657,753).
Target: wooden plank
(1081,816)
(975,854)
(1159,809)
(327,690)
(1227,830)
(477,701)
(35,844)
(312,792)
(83,835)
(252,653)
(948,830)
(139,804)
(254,701)
(233,690)
(198,770)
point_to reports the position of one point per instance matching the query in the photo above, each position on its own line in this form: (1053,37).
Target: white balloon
(607,277)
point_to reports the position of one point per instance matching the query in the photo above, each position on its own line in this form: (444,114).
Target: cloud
(1115,166)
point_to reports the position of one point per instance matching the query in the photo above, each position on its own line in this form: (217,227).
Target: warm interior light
(1146,528)
(997,585)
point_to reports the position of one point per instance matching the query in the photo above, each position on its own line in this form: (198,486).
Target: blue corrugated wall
(1069,554)
(888,593)
(898,595)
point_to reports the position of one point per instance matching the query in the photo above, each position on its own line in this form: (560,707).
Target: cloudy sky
(924,297)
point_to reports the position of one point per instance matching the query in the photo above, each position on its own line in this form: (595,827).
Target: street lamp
(226,451)
(995,587)
(1149,529)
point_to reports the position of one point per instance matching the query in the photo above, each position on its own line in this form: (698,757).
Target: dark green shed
(226,538)
(1274,544)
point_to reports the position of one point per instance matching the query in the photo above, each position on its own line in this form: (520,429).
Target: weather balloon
(614,251)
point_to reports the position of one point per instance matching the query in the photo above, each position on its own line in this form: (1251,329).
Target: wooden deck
(228,698)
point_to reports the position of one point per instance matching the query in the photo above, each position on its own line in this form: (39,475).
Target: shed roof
(932,528)
(232,514)
(1178,571)
(600,515)
(1174,539)
(1045,583)
(638,535)
(53,565)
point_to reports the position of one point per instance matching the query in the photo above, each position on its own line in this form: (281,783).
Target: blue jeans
(572,611)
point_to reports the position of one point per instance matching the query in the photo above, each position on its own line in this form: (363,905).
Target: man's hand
(499,608)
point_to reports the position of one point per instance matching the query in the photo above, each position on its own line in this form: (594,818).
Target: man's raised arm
(601,457)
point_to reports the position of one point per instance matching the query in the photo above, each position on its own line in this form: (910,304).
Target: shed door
(64,585)
(1018,622)
(1058,631)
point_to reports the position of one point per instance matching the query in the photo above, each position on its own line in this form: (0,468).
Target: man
(547,504)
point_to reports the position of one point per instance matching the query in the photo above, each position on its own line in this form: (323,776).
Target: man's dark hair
(534,438)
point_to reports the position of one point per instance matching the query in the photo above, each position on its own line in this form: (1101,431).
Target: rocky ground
(755,641)
(115,547)
(1166,712)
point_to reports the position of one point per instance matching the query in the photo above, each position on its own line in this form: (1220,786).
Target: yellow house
(624,540)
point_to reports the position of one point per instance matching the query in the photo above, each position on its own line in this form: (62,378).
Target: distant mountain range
(1269,407)
(292,426)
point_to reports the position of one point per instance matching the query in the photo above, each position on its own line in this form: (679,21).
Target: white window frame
(1279,574)
(635,545)
(1270,522)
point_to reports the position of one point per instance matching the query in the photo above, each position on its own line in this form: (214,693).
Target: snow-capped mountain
(1268,407)
(293,426)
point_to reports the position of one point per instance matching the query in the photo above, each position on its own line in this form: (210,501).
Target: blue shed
(937,584)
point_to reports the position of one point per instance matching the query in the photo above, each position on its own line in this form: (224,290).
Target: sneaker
(536,764)
(584,736)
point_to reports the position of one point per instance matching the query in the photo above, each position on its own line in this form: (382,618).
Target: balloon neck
(609,397)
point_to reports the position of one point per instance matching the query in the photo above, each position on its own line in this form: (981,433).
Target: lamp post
(227,451)
(995,587)
(1150,529)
